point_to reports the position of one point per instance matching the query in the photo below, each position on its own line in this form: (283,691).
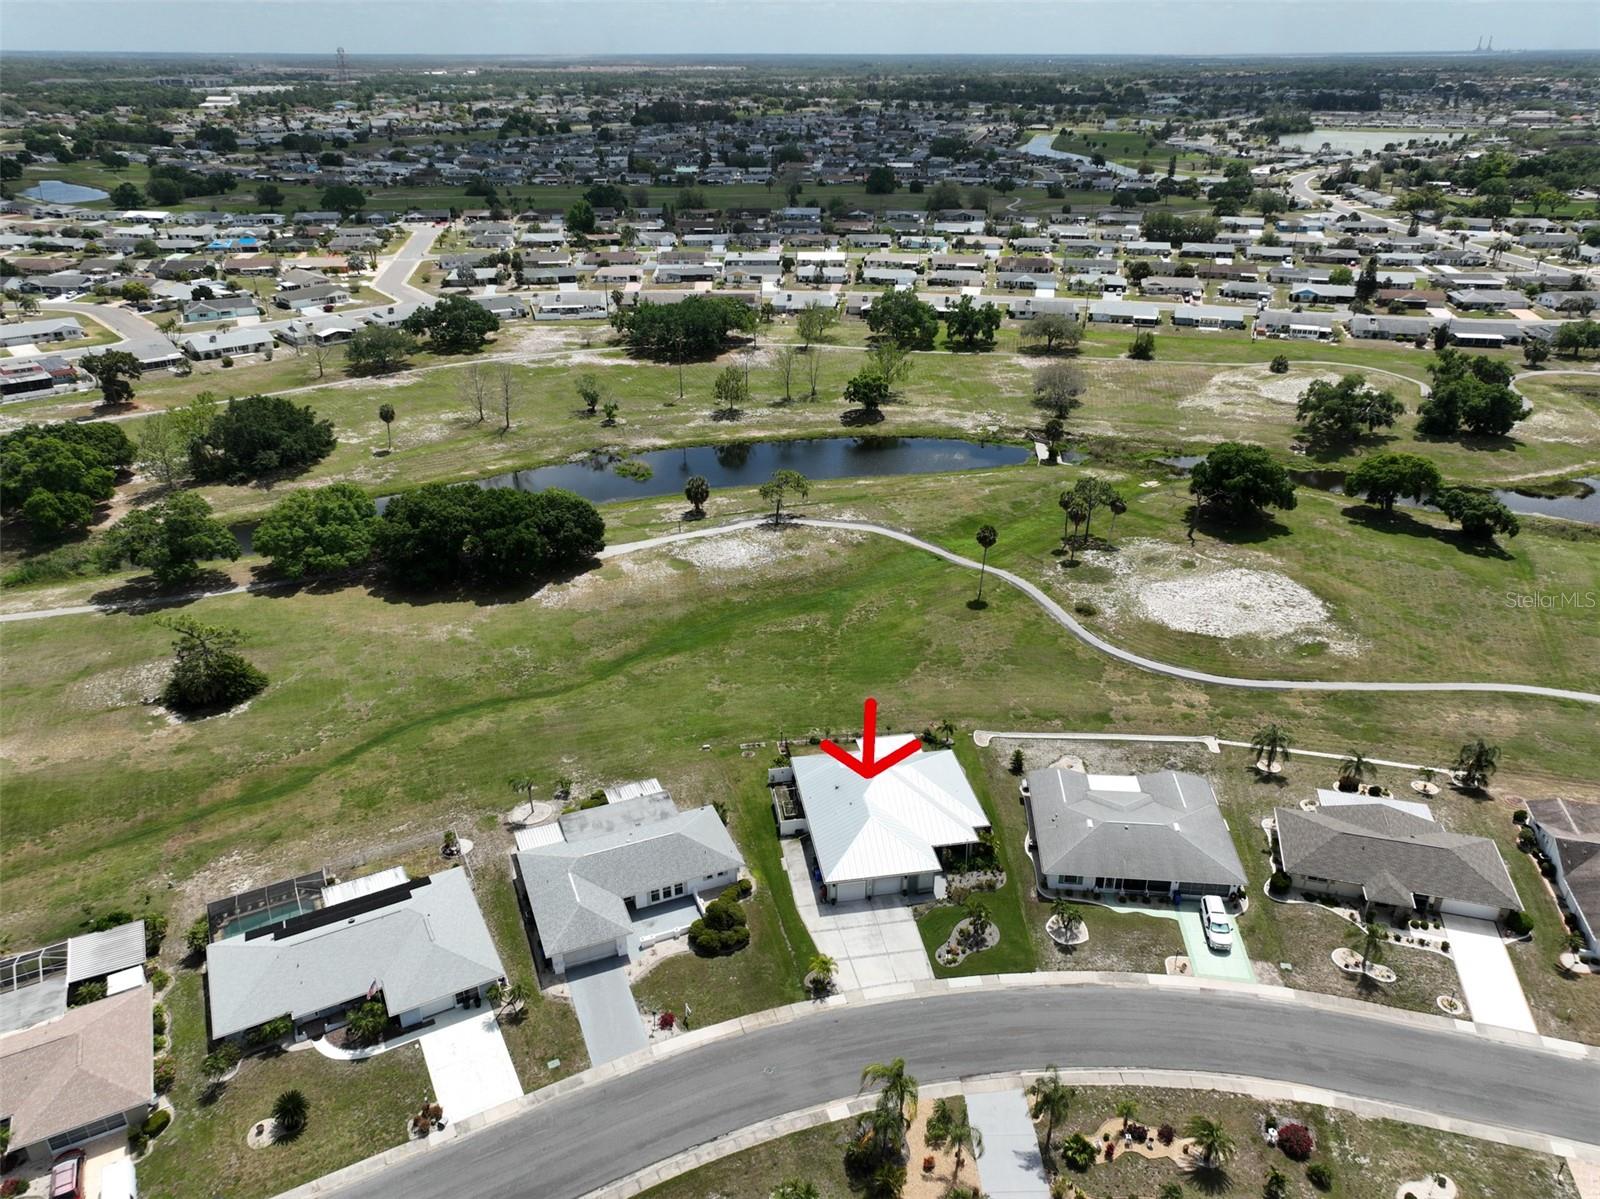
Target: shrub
(273,1030)
(155,932)
(158,1018)
(159,979)
(1520,816)
(1519,923)
(1077,1152)
(166,1073)
(1295,1141)
(227,361)
(1143,347)
(82,993)
(1280,365)
(198,935)
(666,1021)
(1016,761)
(1279,882)
(744,888)
(12,1186)
(156,1123)
(1320,1175)
(1138,1132)
(1166,1133)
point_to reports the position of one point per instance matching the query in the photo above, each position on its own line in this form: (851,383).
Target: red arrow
(869,765)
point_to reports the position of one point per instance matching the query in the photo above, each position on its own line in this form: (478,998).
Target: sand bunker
(1252,386)
(1223,594)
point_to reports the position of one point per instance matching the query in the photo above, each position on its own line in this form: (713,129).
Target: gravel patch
(1252,387)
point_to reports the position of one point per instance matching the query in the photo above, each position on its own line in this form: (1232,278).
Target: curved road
(1051,609)
(589,1131)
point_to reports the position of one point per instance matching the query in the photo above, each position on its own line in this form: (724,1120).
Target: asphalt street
(601,1132)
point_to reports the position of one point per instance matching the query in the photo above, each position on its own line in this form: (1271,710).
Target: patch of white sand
(1233,603)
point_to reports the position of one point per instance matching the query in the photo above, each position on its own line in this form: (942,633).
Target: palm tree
(386,415)
(796,1188)
(524,784)
(1067,913)
(1476,763)
(986,538)
(1213,1141)
(882,1131)
(1118,506)
(821,970)
(289,1112)
(1076,513)
(961,1136)
(899,1093)
(1271,744)
(1049,1100)
(697,491)
(1370,941)
(1355,770)
(946,732)
(1126,1109)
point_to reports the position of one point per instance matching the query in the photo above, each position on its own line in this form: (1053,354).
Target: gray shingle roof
(577,887)
(426,945)
(1575,829)
(1393,855)
(1170,829)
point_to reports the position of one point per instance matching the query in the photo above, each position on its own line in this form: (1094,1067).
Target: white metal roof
(125,980)
(891,824)
(91,955)
(543,834)
(354,888)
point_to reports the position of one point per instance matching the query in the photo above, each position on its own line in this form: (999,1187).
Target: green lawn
(356,1109)
(769,971)
(1134,148)
(1015,952)
(1370,1159)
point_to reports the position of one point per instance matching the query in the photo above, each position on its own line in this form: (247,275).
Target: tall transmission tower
(343,61)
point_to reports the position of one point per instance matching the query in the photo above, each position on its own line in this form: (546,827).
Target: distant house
(26,377)
(1322,293)
(1392,328)
(1389,856)
(1125,312)
(1304,326)
(201,346)
(1149,834)
(1485,299)
(1211,316)
(893,834)
(36,332)
(84,1075)
(222,308)
(322,295)
(419,943)
(1569,834)
(611,880)
(1171,285)
(502,305)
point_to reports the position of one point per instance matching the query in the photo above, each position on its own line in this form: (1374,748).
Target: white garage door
(846,891)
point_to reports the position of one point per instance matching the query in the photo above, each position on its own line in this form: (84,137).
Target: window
(655,896)
(86,1132)
(677,888)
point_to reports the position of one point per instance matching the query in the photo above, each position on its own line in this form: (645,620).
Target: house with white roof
(888,835)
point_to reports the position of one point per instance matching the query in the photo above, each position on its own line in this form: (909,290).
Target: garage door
(847,891)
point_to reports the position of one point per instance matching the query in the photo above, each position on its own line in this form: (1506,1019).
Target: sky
(851,27)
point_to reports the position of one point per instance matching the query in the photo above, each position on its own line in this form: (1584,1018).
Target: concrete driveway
(874,941)
(610,1019)
(1487,976)
(1207,962)
(469,1064)
(1010,1166)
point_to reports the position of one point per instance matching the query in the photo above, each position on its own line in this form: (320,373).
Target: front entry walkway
(874,941)
(470,1065)
(607,1013)
(1493,991)
(1010,1166)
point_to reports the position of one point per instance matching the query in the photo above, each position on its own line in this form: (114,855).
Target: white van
(1218,928)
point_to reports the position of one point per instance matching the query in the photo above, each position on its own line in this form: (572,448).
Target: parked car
(66,1176)
(1218,928)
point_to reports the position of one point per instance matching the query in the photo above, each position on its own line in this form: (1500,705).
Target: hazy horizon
(668,28)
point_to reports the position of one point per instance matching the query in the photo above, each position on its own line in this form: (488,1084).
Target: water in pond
(1360,141)
(54,191)
(1042,145)
(1581,504)
(745,464)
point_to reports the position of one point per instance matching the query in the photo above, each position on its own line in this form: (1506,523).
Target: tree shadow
(727,414)
(1210,1180)
(145,594)
(977,605)
(856,418)
(1333,451)
(392,591)
(1401,523)
(1234,530)
(693,514)
(1477,442)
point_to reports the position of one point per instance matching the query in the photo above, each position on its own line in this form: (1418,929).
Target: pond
(1042,145)
(748,463)
(54,191)
(1581,503)
(1360,141)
